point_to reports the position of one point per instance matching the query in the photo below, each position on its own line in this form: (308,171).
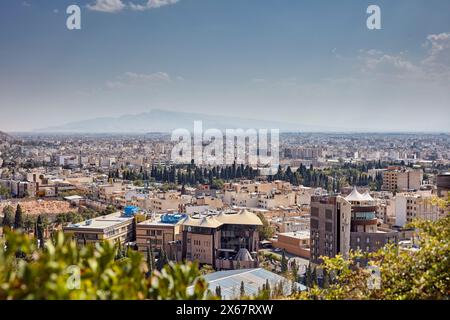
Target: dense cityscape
(230,158)
(333,195)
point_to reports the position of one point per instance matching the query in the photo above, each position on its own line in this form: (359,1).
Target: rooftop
(230,282)
(355,195)
(102,222)
(244,217)
(296,234)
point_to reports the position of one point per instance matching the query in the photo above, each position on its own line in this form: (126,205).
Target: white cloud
(438,58)
(132,79)
(152,4)
(109,6)
(377,61)
(434,66)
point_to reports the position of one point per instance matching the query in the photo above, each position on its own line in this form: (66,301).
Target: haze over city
(300,62)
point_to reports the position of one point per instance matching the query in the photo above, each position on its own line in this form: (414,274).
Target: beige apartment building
(115,227)
(163,231)
(277,199)
(415,205)
(400,179)
(167,201)
(269,200)
(296,243)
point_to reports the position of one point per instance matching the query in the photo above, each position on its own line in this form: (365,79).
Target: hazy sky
(312,62)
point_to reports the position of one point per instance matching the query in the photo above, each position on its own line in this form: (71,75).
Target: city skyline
(297,62)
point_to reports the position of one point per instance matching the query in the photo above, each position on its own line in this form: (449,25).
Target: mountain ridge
(158,120)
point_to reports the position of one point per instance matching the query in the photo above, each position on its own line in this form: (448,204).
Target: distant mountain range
(5,136)
(166,121)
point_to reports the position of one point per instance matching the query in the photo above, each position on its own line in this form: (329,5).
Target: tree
(402,273)
(8,221)
(151,266)
(326,279)
(219,292)
(294,269)
(265,231)
(308,276)
(40,231)
(4,192)
(284,262)
(314,277)
(162,259)
(206,269)
(18,219)
(53,274)
(242,290)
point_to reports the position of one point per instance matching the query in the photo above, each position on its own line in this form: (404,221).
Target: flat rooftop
(158,222)
(102,222)
(304,234)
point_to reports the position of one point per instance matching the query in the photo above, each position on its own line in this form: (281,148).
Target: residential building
(161,232)
(296,243)
(117,227)
(342,224)
(225,240)
(401,179)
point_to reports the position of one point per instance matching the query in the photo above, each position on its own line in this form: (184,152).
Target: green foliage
(172,282)
(242,290)
(4,192)
(206,269)
(18,219)
(162,259)
(8,220)
(217,184)
(151,264)
(138,183)
(265,231)
(218,292)
(40,231)
(284,263)
(294,271)
(53,273)
(404,274)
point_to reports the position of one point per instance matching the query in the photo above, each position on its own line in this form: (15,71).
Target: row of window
(154,232)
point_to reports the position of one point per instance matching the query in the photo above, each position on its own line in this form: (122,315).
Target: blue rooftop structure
(172,218)
(130,211)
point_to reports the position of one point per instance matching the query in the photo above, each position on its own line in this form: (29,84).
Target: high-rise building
(330,226)
(339,225)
